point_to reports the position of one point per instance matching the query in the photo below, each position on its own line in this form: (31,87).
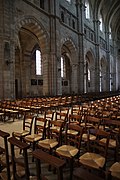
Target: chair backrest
(64,110)
(93,121)
(98,145)
(61,116)
(4,151)
(113,126)
(16,161)
(74,118)
(73,135)
(49,115)
(55,130)
(28,122)
(75,109)
(40,126)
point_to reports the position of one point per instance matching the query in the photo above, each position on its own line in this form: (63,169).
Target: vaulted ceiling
(110,10)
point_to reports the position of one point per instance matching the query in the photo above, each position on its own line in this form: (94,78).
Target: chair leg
(71,168)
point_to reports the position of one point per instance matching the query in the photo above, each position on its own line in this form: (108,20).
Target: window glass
(38,63)
(110,36)
(101,23)
(87,10)
(68,1)
(63,67)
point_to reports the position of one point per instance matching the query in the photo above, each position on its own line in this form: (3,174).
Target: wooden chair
(114,171)
(27,127)
(91,122)
(4,157)
(113,127)
(71,148)
(62,116)
(54,137)
(96,156)
(39,132)
(20,165)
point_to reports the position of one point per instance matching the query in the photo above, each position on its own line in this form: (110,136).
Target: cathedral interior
(60,74)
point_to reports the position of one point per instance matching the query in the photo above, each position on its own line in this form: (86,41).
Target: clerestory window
(101,23)
(87,10)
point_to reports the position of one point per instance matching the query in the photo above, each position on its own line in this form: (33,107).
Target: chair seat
(33,137)
(115,170)
(92,160)
(112,142)
(1,114)
(85,137)
(72,132)
(20,134)
(55,128)
(67,151)
(88,125)
(48,143)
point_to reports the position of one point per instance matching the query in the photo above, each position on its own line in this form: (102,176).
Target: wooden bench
(51,160)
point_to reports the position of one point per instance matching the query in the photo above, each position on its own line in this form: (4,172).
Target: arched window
(101,23)
(110,36)
(88,74)
(87,10)
(38,63)
(63,67)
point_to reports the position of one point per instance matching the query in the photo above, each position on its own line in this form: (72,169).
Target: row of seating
(81,127)
(52,129)
(9,108)
(70,149)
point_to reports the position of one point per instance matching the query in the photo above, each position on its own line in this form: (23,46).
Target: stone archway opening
(89,73)
(30,37)
(68,59)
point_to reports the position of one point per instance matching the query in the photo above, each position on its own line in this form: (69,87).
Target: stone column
(9,71)
(8,49)
(46,74)
(97,60)
(55,51)
(108,62)
(80,14)
(59,79)
(115,73)
(74,87)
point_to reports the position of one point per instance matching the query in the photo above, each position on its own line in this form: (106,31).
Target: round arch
(89,72)
(29,33)
(69,54)
(33,25)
